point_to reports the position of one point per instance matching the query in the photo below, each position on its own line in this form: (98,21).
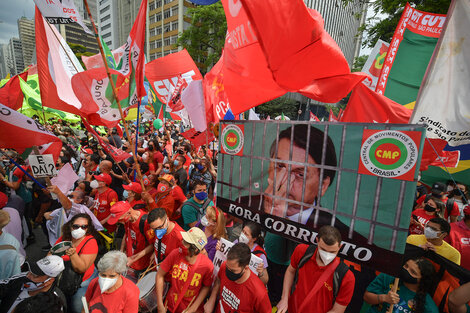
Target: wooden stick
(192,300)
(113,87)
(394,289)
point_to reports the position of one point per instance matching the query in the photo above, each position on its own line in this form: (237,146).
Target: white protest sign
(42,165)
(65,179)
(221,256)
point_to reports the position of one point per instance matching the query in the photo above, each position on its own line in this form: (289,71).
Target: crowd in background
(107,231)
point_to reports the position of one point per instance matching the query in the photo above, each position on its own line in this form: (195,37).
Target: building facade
(3,60)
(27,37)
(15,63)
(108,22)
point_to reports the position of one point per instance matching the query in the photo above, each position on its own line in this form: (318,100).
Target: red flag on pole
(313,117)
(11,94)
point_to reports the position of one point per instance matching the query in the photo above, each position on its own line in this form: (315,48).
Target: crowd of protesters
(114,228)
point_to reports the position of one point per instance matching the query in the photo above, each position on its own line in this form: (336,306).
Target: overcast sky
(10,12)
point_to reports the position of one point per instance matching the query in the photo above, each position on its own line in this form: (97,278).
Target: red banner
(198,138)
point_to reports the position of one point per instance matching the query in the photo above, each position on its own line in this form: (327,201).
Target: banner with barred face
(294,177)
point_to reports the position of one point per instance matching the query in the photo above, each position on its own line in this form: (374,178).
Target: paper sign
(42,165)
(65,178)
(221,256)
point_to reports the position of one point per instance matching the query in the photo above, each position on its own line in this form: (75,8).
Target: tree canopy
(205,38)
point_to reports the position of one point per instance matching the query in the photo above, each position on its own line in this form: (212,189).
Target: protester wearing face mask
(311,290)
(71,206)
(416,281)
(79,258)
(252,236)
(111,291)
(134,240)
(38,279)
(163,235)
(213,225)
(190,275)
(156,156)
(439,190)
(200,173)
(459,237)
(195,208)
(133,195)
(238,288)
(433,239)
(421,216)
(180,173)
(105,197)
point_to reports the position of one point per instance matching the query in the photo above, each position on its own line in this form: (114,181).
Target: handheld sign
(42,165)
(221,256)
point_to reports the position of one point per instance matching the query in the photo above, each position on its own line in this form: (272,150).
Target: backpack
(142,225)
(338,274)
(201,210)
(259,251)
(449,205)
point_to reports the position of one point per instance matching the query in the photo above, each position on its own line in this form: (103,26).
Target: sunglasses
(75,226)
(167,167)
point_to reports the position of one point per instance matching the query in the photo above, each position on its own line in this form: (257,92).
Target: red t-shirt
(157,158)
(178,267)
(308,276)
(178,196)
(136,242)
(170,241)
(103,203)
(125,299)
(152,168)
(423,218)
(459,238)
(90,248)
(250,296)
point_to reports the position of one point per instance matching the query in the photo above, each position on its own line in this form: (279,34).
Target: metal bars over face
(290,171)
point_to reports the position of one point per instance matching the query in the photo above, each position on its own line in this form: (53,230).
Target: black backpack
(338,274)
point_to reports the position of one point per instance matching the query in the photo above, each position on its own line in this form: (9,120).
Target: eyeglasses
(70,196)
(75,226)
(167,167)
(161,226)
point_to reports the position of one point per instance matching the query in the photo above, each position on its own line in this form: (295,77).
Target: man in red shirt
(105,197)
(459,237)
(239,289)
(134,197)
(190,274)
(163,234)
(134,240)
(314,288)
(438,190)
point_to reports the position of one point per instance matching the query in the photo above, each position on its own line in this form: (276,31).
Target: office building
(15,63)
(27,37)
(108,22)
(3,60)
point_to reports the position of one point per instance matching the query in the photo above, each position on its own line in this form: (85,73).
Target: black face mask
(232,276)
(437,195)
(429,208)
(457,192)
(406,277)
(150,148)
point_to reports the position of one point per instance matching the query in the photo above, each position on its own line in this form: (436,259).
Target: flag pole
(137,131)
(113,87)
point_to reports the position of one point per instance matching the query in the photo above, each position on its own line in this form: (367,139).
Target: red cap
(117,210)
(106,178)
(88,151)
(135,187)
(19,173)
(3,200)
(466,209)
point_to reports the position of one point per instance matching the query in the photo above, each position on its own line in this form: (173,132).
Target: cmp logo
(389,153)
(233,139)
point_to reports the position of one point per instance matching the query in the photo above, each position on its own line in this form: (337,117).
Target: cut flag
(313,117)
(252,116)
(193,101)
(61,12)
(10,93)
(27,133)
(375,63)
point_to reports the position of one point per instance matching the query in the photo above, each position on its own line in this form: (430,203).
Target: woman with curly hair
(416,280)
(81,256)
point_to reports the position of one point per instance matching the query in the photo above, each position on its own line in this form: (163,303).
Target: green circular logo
(232,139)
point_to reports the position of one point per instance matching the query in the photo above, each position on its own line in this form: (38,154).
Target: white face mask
(106,283)
(430,233)
(204,221)
(243,238)
(78,233)
(82,155)
(145,157)
(32,286)
(326,257)
(94,184)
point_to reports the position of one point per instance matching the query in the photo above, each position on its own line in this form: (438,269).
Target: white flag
(61,12)
(252,116)
(442,102)
(192,98)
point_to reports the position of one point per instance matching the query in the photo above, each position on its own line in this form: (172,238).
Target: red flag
(216,100)
(198,138)
(247,78)
(367,106)
(56,66)
(117,154)
(163,73)
(174,99)
(332,117)
(313,117)
(449,158)
(11,94)
(27,132)
(300,51)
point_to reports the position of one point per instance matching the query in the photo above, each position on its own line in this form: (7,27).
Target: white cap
(51,265)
